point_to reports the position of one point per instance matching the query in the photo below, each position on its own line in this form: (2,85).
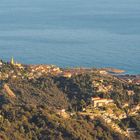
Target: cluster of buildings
(101,87)
(9,71)
(12,62)
(100,102)
(35,71)
(132,79)
(68,73)
(39,70)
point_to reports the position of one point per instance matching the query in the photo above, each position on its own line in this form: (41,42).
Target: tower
(12,61)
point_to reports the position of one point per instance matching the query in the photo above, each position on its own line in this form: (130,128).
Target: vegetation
(36,112)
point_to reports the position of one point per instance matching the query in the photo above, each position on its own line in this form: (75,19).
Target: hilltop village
(39,102)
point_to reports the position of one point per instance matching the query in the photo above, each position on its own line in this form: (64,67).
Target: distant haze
(90,33)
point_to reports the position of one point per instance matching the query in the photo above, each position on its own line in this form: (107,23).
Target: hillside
(45,102)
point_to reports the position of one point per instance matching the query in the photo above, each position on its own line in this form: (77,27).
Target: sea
(72,33)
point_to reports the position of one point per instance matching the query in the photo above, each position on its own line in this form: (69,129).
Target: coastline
(37,70)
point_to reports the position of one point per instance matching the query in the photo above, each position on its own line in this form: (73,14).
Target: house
(136,81)
(103,72)
(19,65)
(129,80)
(14,76)
(1,63)
(131,130)
(67,75)
(9,91)
(103,88)
(63,113)
(56,69)
(99,102)
(125,105)
(130,92)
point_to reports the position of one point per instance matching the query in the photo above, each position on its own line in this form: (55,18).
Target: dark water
(90,33)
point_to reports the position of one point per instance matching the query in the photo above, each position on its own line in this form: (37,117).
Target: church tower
(12,61)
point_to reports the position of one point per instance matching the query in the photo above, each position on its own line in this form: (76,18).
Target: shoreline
(110,70)
(68,72)
(124,71)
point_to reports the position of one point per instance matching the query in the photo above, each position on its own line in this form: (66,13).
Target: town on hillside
(72,93)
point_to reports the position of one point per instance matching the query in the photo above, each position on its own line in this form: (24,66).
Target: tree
(82,104)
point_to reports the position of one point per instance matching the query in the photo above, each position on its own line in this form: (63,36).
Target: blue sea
(69,33)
